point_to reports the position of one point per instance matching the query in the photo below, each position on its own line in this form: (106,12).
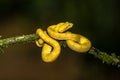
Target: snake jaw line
(51,48)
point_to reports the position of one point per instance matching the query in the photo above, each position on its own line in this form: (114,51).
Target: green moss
(106,58)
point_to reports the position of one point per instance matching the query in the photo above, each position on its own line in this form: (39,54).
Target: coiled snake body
(75,42)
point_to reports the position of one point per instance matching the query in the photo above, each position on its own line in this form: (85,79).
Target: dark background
(96,19)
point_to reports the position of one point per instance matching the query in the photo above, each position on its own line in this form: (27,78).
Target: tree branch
(112,59)
(4,43)
(106,58)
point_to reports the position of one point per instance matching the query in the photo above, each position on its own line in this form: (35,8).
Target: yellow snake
(75,42)
(47,54)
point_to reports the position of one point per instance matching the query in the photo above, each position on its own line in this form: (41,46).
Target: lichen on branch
(4,43)
(103,56)
(53,36)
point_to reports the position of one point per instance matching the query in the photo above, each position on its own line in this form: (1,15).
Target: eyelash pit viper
(51,47)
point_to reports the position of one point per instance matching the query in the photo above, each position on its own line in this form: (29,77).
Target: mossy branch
(106,58)
(4,43)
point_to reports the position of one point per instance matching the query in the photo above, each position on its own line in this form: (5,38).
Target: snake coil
(51,48)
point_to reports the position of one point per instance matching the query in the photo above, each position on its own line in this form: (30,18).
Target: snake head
(64,26)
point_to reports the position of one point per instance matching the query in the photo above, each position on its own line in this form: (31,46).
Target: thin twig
(4,43)
(105,57)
